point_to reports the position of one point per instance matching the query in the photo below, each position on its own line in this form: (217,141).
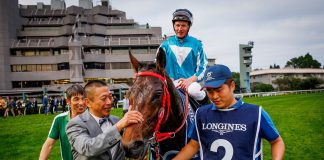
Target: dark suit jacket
(88,141)
(63,102)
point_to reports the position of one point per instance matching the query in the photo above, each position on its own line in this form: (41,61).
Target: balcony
(49,22)
(42,13)
(40,43)
(247,62)
(87,41)
(130,41)
(88,57)
(39,76)
(120,73)
(32,43)
(102,10)
(99,19)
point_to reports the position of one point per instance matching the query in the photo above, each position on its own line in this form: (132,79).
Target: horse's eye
(157,95)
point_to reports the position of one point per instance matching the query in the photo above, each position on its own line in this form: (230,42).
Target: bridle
(165,111)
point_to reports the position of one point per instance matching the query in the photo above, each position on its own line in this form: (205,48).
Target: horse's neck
(173,123)
(176,112)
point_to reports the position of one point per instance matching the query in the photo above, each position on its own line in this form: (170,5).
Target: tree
(236,77)
(311,83)
(274,66)
(306,61)
(283,83)
(261,87)
(291,83)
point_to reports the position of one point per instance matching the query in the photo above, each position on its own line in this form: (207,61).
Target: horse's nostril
(138,144)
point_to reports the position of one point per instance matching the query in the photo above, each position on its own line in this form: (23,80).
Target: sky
(280,29)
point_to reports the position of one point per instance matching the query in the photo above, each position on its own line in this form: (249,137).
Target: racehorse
(154,95)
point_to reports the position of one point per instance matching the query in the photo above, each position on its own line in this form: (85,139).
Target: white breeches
(194,90)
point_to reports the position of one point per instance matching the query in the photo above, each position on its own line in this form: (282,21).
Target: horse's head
(150,96)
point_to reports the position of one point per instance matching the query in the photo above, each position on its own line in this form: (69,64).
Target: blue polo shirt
(233,133)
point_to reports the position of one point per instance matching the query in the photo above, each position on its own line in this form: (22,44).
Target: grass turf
(22,137)
(299,119)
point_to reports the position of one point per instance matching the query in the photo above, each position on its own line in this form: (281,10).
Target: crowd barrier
(277,93)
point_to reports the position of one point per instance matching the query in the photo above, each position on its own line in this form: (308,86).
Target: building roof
(287,70)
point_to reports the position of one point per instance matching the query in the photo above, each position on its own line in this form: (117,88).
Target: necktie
(102,121)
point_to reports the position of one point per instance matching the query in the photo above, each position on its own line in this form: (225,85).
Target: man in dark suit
(63,104)
(35,106)
(95,134)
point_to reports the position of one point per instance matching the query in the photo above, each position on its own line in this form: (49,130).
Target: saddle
(192,107)
(192,102)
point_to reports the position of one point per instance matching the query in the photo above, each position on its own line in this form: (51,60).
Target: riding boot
(204,101)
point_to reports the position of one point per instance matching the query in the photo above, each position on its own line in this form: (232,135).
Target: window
(13,68)
(29,68)
(46,67)
(34,68)
(63,66)
(29,84)
(140,50)
(18,53)
(29,53)
(16,84)
(119,51)
(44,53)
(94,65)
(54,67)
(39,67)
(107,66)
(64,51)
(56,52)
(18,68)
(120,65)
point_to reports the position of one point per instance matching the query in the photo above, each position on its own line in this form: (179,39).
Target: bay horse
(154,95)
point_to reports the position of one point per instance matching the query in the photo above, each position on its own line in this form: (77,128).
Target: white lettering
(224,127)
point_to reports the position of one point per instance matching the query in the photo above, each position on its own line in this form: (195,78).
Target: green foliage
(236,77)
(274,66)
(310,83)
(291,83)
(306,61)
(261,87)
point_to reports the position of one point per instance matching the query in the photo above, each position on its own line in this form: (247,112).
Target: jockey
(186,61)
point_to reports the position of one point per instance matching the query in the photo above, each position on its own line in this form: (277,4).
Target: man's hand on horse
(185,83)
(131,117)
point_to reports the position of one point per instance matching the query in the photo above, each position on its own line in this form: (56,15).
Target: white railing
(33,43)
(86,41)
(278,93)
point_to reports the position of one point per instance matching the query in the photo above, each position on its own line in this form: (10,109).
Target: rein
(157,136)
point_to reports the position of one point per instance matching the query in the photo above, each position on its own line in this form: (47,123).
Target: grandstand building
(51,45)
(267,76)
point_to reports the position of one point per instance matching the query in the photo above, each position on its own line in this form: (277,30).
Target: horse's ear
(160,59)
(136,65)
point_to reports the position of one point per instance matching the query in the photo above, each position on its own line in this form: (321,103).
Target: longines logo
(209,76)
(223,128)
